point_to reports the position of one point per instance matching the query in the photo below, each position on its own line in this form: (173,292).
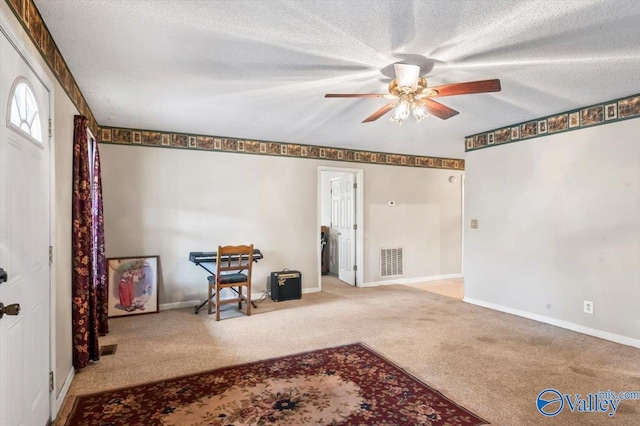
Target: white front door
(24,241)
(345,228)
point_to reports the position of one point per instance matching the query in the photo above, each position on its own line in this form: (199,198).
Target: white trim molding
(617,338)
(63,393)
(180,305)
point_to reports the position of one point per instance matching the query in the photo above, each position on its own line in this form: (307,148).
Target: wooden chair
(233,269)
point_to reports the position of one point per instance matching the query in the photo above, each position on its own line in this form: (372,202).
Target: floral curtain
(88,276)
(100,262)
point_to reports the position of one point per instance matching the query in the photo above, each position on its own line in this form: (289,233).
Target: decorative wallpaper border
(123,136)
(602,113)
(30,19)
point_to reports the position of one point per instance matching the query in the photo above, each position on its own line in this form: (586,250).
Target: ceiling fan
(411,95)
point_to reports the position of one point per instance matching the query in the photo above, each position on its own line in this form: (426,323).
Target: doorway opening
(340,224)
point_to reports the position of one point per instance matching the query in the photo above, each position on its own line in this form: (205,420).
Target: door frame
(462,225)
(29,54)
(358,175)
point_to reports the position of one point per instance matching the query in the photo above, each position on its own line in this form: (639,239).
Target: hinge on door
(355,185)
(50,255)
(50,381)
(355,226)
(50,127)
(355,267)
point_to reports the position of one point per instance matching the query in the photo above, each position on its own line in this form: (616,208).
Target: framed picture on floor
(132,285)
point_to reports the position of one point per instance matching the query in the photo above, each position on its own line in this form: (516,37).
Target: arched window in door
(24,115)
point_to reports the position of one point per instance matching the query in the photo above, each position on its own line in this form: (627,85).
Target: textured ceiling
(260,69)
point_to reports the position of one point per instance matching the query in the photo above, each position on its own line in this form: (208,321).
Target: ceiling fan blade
(379,113)
(357,95)
(453,89)
(407,75)
(437,109)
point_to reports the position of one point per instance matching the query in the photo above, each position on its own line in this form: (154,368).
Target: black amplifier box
(286,285)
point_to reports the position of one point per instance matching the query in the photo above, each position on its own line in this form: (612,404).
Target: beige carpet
(492,363)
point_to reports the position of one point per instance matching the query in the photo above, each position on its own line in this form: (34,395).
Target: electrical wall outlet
(474,223)
(588,307)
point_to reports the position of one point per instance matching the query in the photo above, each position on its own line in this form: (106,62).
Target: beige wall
(62,155)
(170,202)
(425,221)
(558,223)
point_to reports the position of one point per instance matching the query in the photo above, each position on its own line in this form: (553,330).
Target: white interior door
(333,231)
(345,228)
(24,242)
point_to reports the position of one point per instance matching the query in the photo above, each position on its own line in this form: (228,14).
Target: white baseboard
(411,280)
(624,340)
(194,303)
(180,305)
(63,393)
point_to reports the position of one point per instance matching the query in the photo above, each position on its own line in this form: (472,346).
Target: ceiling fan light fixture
(407,75)
(401,112)
(414,96)
(418,112)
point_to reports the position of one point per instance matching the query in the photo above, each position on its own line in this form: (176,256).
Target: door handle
(3,276)
(13,309)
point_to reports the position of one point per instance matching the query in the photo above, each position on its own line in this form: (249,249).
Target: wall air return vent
(391,262)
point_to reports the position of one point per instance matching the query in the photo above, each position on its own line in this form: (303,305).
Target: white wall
(170,202)
(559,223)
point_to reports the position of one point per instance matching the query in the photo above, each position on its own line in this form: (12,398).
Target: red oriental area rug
(346,385)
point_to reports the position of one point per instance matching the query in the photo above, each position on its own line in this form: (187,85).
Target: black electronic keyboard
(201,257)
